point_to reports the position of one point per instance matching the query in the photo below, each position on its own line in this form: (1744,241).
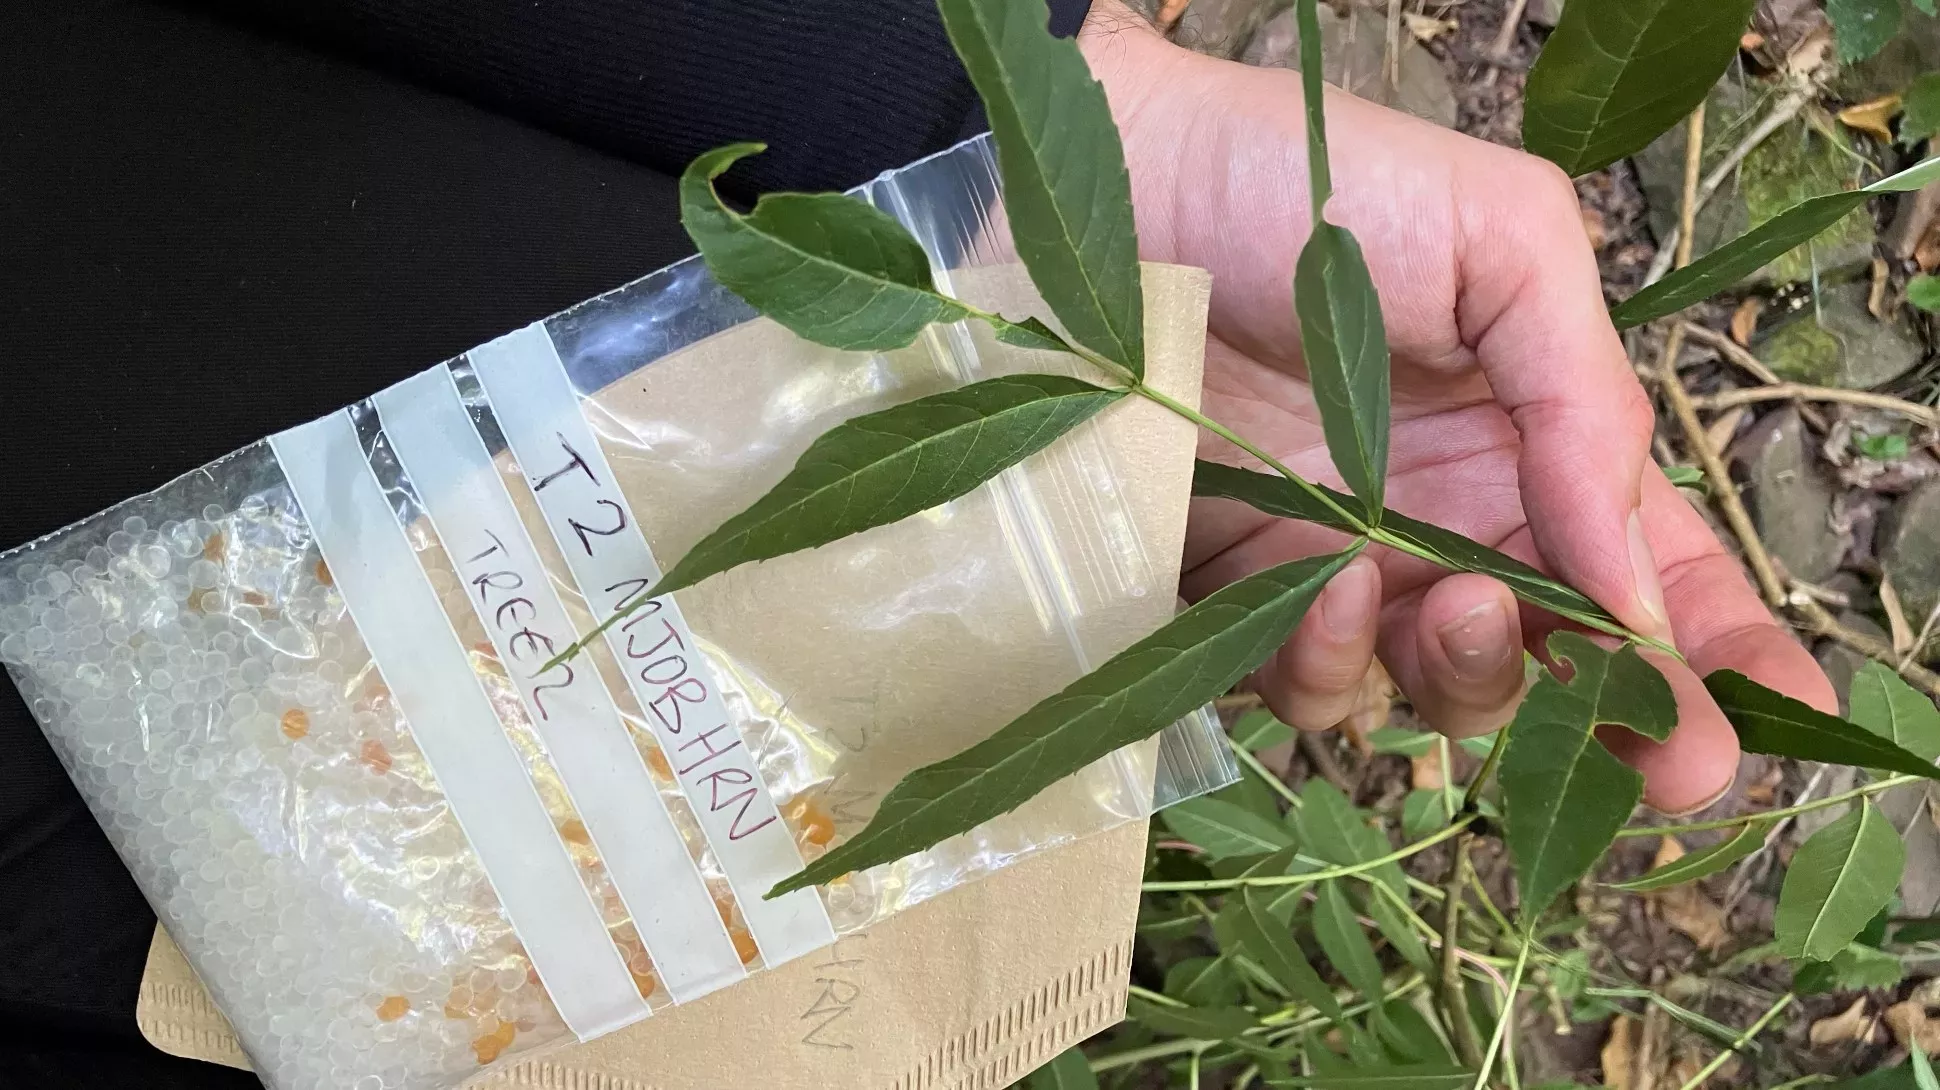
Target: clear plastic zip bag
(301,687)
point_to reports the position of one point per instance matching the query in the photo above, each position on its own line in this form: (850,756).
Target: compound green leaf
(1771,722)
(1276,495)
(1343,941)
(1923,291)
(1617,73)
(1200,1023)
(1410,1037)
(1345,346)
(1068,1070)
(886,466)
(1398,1077)
(1856,966)
(1921,118)
(1565,796)
(1749,252)
(1334,830)
(1258,730)
(1885,704)
(1839,878)
(1202,982)
(1263,939)
(1067,195)
(1194,657)
(1923,1075)
(1422,812)
(1225,830)
(1862,27)
(1401,740)
(1748,839)
(831,268)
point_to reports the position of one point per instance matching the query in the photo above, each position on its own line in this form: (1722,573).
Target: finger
(1313,682)
(1719,620)
(1532,305)
(1456,651)
(1696,765)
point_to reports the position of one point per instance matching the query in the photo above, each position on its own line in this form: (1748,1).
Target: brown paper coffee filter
(980,985)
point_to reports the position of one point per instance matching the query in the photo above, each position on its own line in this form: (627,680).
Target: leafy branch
(841,273)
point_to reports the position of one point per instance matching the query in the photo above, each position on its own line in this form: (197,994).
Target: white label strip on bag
(563,462)
(413,646)
(571,709)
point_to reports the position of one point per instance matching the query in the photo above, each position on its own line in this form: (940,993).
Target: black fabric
(218,220)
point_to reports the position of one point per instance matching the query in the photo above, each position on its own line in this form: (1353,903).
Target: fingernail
(1707,803)
(1477,642)
(1643,568)
(1344,605)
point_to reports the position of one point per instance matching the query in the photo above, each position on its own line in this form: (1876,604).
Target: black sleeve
(217,223)
(839,89)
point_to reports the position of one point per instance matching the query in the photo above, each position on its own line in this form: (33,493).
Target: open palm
(1517,418)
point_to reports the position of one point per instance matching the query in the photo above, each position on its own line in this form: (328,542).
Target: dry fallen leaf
(1910,1025)
(1685,907)
(1619,1053)
(1889,599)
(1750,40)
(1427,28)
(1372,706)
(1876,295)
(1853,1025)
(1425,772)
(1744,320)
(1593,227)
(1725,428)
(1872,117)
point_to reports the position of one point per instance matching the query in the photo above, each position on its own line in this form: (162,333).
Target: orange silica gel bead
(573,831)
(296,724)
(323,574)
(213,548)
(488,1046)
(813,825)
(393,1008)
(744,945)
(375,756)
(657,761)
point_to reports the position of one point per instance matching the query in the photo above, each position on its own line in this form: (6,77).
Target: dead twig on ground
(1723,490)
(1505,38)
(1794,391)
(1820,621)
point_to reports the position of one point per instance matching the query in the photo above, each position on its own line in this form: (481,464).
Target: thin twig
(1784,110)
(1391,59)
(1744,1039)
(1511,24)
(1461,824)
(1453,994)
(1821,622)
(1741,878)
(1770,815)
(1506,1017)
(1732,351)
(1794,391)
(1723,489)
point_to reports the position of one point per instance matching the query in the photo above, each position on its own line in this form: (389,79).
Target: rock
(1909,551)
(1791,498)
(1221,28)
(1840,662)
(1792,164)
(1842,344)
(1353,48)
(1544,12)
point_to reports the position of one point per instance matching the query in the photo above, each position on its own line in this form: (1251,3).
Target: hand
(1517,418)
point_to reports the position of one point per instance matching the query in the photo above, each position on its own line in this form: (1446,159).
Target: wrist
(1140,71)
